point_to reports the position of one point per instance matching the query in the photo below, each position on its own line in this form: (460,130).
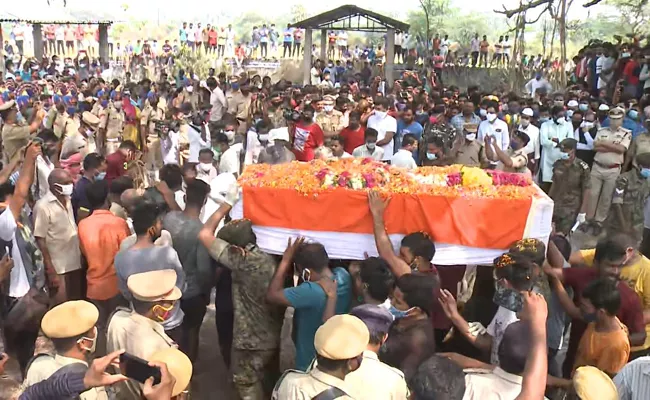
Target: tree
(635,14)
(434,11)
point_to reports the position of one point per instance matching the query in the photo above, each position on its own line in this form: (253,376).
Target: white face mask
(90,133)
(380,114)
(189,89)
(92,348)
(491,117)
(471,137)
(230,134)
(525,123)
(117,104)
(205,167)
(263,137)
(65,190)
(328,108)
(587,125)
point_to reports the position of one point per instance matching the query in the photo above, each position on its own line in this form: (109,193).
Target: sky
(195,9)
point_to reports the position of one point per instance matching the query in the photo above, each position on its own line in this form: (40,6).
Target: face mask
(93,346)
(482,112)
(543,119)
(507,298)
(559,103)
(514,145)
(470,136)
(90,133)
(263,137)
(189,89)
(564,156)
(104,103)
(371,146)
(71,111)
(559,120)
(235,86)
(589,317)
(164,314)
(118,104)
(431,156)
(399,314)
(625,55)
(380,114)
(583,107)
(569,114)
(82,65)
(230,134)
(305,275)
(19,118)
(100,176)
(491,117)
(525,123)
(328,108)
(587,125)
(634,114)
(205,167)
(65,190)
(645,172)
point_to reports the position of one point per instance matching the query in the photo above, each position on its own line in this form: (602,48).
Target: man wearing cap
(387,382)
(468,151)
(631,191)
(150,114)
(515,159)
(532,149)
(138,330)
(570,188)
(467,116)
(340,343)
(83,140)
(14,135)
(111,124)
(330,120)
(71,327)
(278,151)
(610,145)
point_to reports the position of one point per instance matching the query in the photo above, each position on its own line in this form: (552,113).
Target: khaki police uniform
(79,142)
(184,141)
(14,136)
(153,158)
(606,168)
(67,320)
(179,365)
(387,382)
(342,337)
(51,116)
(519,161)
(137,334)
(112,121)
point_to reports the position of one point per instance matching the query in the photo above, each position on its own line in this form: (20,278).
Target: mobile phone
(138,369)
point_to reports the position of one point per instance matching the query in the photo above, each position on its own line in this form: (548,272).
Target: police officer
(111,123)
(71,327)
(570,188)
(610,145)
(330,120)
(14,135)
(628,202)
(83,140)
(179,365)
(387,382)
(138,330)
(150,114)
(340,343)
(468,151)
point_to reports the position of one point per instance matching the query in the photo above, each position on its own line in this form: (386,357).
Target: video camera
(290,114)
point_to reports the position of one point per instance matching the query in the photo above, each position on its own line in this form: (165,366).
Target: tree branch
(524,7)
(591,3)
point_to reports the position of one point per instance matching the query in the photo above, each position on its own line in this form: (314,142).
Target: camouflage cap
(643,159)
(238,232)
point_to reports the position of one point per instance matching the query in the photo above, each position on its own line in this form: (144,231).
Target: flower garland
(361,174)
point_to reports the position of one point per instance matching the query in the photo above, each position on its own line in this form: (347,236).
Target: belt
(608,166)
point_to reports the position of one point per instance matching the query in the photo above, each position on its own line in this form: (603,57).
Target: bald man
(56,236)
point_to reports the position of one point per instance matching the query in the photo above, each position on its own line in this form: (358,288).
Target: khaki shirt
(375,380)
(301,386)
(622,136)
(139,336)
(519,162)
(44,366)
(330,122)
(64,125)
(148,117)
(51,116)
(55,223)
(471,154)
(112,120)
(75,143)
(14,137)
(640,145)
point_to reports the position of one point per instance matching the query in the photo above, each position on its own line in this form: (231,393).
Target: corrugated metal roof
(335,19)
(53,14)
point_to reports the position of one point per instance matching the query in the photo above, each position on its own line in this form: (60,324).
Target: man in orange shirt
(100,235)
(604,344)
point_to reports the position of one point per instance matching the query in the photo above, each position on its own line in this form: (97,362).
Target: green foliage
(187,60)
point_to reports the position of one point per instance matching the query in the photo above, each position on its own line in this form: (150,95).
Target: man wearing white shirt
(404,156)
(494,127)
(385,125)
(537,84)
(604,68)
(532,149)
(197,136)
(230,155)
(370,148)
(170,148)
(217,100)
(336,144)
(550,135)
(399,41)
(475,47)
(507,46)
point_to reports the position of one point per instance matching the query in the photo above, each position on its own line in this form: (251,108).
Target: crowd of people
(116,227)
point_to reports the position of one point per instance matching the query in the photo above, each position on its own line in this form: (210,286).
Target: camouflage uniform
(277,118)
(630,194)
(569,183)
(257,324)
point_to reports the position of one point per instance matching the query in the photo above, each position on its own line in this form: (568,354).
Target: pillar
(2,60)
(39,49)
(306,60)
(323,45)
(103,43)
(390,58)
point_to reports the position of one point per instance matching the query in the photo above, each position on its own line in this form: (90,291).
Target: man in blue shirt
(312,303)
(629,124)
(288,39)
(407,124)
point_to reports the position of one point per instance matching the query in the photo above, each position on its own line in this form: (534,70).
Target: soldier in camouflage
(630,195)
(570,188)
(257,323)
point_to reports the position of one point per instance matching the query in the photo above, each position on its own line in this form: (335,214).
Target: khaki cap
(342,337)
(179,366)
(91,119)
(7,105)
(590,383)
(616,113)
(473,128)
(69,319)
(154,286)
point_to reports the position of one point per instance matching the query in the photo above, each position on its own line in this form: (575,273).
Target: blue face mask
(71,110)
(19,118)
(583,107)
(564,156)
(645,172)
(431,156)
(634,114)
(100,176)
(508,298)
(543,119)
(235,86)
(104,103)
(398,314)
